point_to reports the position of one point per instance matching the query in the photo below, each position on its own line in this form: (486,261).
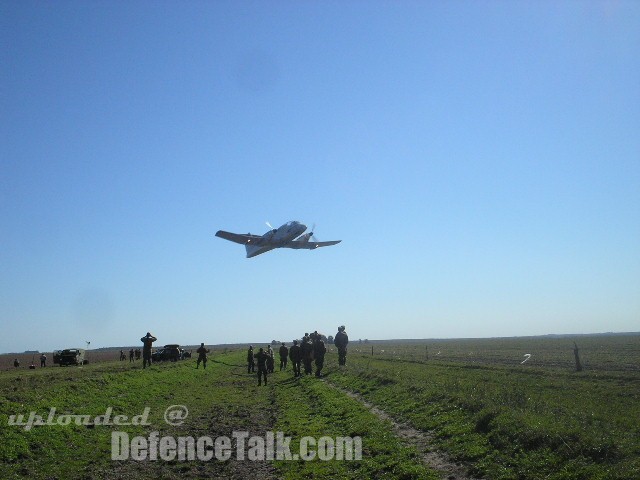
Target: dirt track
(423,441)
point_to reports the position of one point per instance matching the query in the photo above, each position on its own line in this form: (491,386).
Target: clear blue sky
(480,162)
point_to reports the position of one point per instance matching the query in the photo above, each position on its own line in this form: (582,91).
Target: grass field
(474,404)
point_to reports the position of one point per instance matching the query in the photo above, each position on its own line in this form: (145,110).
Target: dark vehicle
(158,355)
(72,356)
(56,357)
(171,352)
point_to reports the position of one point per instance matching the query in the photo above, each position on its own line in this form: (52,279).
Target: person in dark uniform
(319,349)
(341,341)
(270,361)
(16,363)
(202,355)
(284,354)
(251,362)
(43,360)
(147,342)
(262,357)
(295,354)
(131,355)
(307,354)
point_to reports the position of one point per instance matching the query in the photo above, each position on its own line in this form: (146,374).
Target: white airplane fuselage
(275,238)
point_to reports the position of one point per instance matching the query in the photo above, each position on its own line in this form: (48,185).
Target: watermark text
(240,445)
(53,418)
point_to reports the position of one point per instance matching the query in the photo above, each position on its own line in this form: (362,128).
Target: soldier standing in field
(319,349)
(147,342)
(295,354)
(43,360)
(307,354)
(202,355)
(131,354)
(270,360)
(262,357)
(341,341)
(251,363)
(284,353)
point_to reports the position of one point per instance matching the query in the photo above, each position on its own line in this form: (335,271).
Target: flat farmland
(91,356)
(508,419)
(423,409)
(597,352)
(26,359)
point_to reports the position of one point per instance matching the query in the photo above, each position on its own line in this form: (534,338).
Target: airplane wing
(309,245)
(238,237)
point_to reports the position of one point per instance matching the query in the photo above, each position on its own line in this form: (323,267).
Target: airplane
(289,235)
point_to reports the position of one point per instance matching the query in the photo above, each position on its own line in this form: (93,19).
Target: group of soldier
(133,355)
(43,362)
(303,354)
(311,349)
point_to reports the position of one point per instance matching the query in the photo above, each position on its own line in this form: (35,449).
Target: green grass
(222,399)
(74,451)
(311,408)
(511,422)
(505,420)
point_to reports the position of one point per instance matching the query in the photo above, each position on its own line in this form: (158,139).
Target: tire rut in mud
(419,439)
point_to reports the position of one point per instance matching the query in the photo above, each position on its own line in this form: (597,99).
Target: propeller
(312,236)
(273,230)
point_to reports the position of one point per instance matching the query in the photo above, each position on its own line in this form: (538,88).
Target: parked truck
(72,356)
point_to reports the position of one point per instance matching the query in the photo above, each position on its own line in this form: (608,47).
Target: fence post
(575,354)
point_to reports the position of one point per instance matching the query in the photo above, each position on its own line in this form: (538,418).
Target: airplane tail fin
(251,250)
